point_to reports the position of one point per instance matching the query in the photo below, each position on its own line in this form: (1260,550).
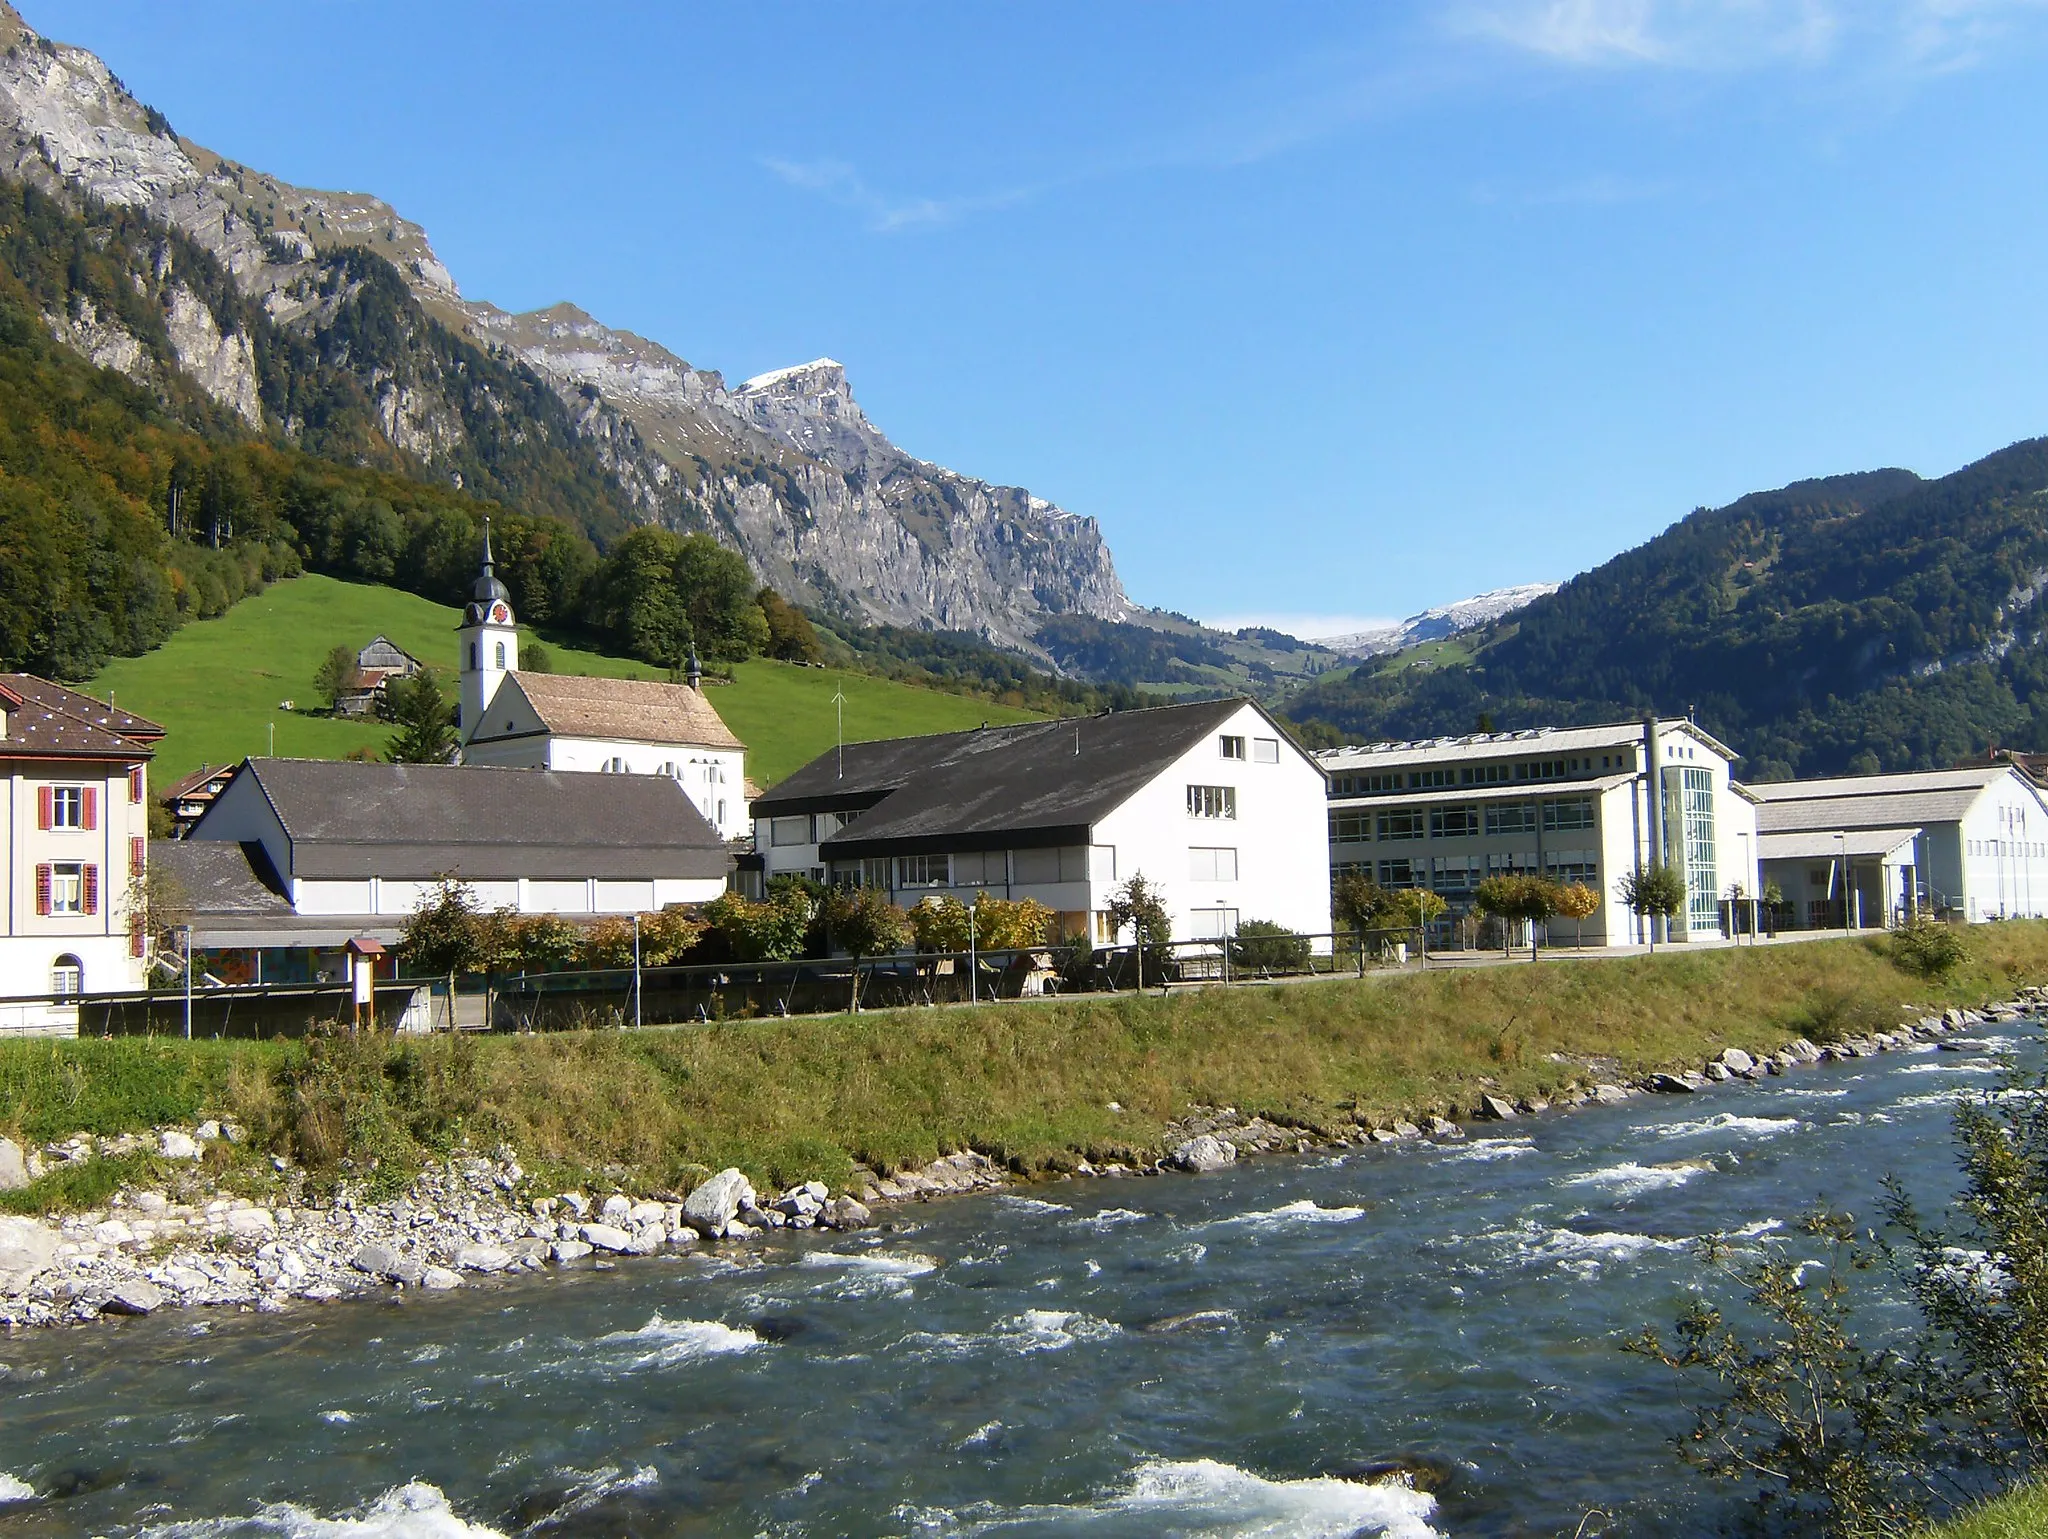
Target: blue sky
(1325,311)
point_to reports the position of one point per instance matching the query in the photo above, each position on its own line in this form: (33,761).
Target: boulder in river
(26,1247)
(1495,1109)
(1416,1471)
(717,1203)
(1736,1061)
(134,1298)
(1194,1320)
(1205,1153)
(845,1213)
(1668,1084)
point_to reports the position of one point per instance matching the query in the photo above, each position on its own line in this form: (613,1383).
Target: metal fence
(661,996)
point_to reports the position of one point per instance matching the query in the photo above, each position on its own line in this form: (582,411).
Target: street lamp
(1843,836)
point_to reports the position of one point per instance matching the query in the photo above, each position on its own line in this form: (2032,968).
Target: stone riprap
(474,1218)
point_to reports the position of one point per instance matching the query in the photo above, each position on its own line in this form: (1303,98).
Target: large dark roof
(402,821)
(218,877)
(48,719)
(1044,782)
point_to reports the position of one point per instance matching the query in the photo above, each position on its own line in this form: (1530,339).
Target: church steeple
(489,639)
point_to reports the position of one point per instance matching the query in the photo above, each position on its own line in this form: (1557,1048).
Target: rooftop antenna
(839,747)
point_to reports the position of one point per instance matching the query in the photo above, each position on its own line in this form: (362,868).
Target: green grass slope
(218,686)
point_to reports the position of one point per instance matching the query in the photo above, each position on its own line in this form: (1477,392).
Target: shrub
(1263,946)
(1927,947)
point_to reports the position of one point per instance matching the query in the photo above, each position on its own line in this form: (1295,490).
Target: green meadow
(220,687)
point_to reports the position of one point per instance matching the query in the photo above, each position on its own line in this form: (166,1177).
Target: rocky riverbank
(473,1217)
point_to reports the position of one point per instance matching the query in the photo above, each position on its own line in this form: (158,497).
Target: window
(1397,873)
(67,807)
(472,656)
(1233,747)
(62,888)
(1576,813)
(924,871)
(1485,774)
(790,830)
(1350,827)
(1105,933)
(1212,865)
(1423,780)
(1265,750)
(1568,866)
(67,977)
(1511,818)
(614,766)
(1514,863)
(1343,868)
(1401,825)
(501,654)
(135,784)
(1455,873)
(1453,822)
(1212,801)
(721,809)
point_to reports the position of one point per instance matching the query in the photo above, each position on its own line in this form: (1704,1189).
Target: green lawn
(2020,1514)
(218,686)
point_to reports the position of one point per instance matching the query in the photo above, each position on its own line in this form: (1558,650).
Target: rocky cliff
(786,467)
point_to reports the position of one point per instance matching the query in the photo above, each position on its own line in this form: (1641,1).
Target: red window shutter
(138,852)
(46,807)
(92,889)
(89,802)
(43,888)
(135,784)
(136,939)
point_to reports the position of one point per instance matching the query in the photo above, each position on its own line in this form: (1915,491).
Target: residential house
(297,857)
(1212,802)
(1859,851)
(1569,803)
(376,665)
(189,796)
(610,726)
(76,836)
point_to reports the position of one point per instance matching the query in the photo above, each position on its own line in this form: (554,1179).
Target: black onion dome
(488,589)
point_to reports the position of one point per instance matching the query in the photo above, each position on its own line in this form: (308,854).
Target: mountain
(786,468)
(1440,623)
(1863,622)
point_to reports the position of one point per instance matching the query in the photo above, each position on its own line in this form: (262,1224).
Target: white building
(75,773)
(1569,803)
(1212,802)
(1862,850)
(324,851)
(523,720)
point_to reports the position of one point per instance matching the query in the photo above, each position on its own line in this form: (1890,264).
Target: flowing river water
(997,1365)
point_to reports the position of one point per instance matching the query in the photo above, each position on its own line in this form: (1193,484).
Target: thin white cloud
(1303,627)
(1724,36)
(840,183)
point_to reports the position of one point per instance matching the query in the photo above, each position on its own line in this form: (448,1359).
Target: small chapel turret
(490,642)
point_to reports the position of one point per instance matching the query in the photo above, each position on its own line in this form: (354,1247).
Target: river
(994,1365)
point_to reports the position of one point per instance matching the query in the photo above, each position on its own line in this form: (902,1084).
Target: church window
(472,655)
(615,766)
(501,654)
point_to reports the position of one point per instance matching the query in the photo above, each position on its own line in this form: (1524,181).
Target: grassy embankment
(1026,1083)
(2020,1514)
(216,685)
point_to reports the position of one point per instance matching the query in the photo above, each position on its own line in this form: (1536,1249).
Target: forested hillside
(1862,622)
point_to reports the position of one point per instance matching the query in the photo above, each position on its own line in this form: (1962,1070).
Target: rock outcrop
(786,468)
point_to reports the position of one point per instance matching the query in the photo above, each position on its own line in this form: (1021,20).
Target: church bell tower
(490,642)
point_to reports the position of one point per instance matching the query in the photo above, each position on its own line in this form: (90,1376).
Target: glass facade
(1702,885)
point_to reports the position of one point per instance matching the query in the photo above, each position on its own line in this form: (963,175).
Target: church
(524,720)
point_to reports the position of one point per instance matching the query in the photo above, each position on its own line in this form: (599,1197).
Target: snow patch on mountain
(1438,623)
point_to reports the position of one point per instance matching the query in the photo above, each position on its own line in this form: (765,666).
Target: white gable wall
(511,735)
(2001,846)
(1279,838)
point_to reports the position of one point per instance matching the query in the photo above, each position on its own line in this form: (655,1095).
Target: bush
(1263,946)
(1927,947)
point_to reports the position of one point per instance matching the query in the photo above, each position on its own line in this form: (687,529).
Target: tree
(866,924)
(542,943)
(1520,896)
(717,591)
(1137,906)
(774,931)
(444,935)
(1415,908)
(535,658)
(426,721)
(336,675)
(1656,892)
(790,634)
(1264,946)
(1358,903)
(1578,903)
(945,924)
